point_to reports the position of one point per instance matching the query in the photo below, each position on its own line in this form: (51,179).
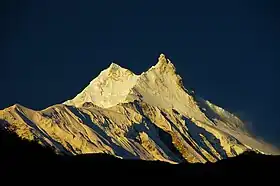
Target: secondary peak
(114,66)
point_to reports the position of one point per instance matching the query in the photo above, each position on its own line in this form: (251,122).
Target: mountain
(27,160)
(150,116)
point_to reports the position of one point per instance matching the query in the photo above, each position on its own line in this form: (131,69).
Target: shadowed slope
(20,158)
(150,116)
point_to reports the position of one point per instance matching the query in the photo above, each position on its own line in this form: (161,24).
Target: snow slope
(150,116)
(108,89)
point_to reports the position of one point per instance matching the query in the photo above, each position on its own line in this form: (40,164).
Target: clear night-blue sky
(228,51)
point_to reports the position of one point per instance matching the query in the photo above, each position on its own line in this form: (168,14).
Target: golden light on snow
(143,116)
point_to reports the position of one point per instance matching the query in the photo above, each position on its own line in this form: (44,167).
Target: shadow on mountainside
(87,121)
(159,136)
(197,132)
(22,158)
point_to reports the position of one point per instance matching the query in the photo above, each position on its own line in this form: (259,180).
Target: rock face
(149,116)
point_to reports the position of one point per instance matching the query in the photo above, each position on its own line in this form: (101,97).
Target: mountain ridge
(150,116)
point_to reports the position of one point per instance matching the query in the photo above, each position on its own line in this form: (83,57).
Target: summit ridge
(150,116)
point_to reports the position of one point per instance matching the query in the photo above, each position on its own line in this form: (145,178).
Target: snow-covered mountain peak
(115,67)
(109,88)
(162,59)
(115,71)
(149,116)
(164,65)
(116,84)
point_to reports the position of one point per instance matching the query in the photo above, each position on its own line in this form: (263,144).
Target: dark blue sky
(227,51)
